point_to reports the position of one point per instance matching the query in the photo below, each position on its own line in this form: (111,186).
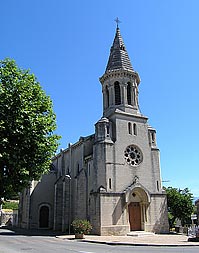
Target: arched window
(134,129)
(107,97)
(117,93)
(129,94)
(129,128)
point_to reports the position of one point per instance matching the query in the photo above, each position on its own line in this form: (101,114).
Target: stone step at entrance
(140,233)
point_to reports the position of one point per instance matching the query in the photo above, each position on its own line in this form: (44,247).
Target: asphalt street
(13,242)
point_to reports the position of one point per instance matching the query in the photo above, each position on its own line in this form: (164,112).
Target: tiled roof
(118,58)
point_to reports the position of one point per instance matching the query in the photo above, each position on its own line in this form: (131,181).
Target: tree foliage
(10,205)
(180,205)
(27,125)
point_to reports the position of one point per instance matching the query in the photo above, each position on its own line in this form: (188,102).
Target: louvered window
(107,96)
(117,93)
(129,94)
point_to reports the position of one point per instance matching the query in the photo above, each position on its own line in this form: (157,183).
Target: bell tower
(120,82)
(127,184)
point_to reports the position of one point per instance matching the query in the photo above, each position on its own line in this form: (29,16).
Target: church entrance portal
(44,217)
(135,216)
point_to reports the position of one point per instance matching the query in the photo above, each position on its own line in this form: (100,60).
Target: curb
(141,244)
(130,244)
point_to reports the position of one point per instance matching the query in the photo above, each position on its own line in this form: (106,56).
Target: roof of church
(118,58)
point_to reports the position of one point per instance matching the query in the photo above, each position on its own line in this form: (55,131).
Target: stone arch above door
(137,193)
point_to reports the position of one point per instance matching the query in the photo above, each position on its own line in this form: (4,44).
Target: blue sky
(66,45)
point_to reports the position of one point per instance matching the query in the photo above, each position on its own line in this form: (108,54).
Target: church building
(111,177)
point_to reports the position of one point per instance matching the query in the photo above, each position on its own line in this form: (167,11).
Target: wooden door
(44,217)
(135,216)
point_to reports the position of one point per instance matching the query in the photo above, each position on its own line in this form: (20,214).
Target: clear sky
(66,45)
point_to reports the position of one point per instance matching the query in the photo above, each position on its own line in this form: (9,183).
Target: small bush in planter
(81,226)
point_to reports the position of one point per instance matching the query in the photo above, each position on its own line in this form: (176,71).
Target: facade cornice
(140,116)
(120,73)
(105,193)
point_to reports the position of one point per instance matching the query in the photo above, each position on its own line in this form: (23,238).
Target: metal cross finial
(117,21)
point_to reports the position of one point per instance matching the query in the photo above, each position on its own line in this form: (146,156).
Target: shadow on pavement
(9,230)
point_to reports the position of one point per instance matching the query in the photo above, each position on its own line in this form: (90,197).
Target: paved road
(11,242)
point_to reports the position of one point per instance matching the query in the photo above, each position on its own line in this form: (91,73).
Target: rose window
(133,155)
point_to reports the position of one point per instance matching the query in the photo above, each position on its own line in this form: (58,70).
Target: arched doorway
(134,216)
(44,217)
(137,209)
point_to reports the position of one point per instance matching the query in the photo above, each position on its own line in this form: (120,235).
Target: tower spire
(118,58)
(120,81)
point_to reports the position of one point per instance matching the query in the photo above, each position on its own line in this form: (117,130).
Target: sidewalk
(146,240)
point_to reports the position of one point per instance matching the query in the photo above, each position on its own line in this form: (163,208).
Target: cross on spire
(117,21)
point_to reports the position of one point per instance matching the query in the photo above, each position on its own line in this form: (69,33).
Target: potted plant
(81,228)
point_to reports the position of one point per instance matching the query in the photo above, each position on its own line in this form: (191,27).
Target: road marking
(85,252)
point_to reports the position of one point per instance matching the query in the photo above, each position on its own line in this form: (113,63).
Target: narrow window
(68,171)
(62,165)
(107,131)
(117,93)
(110,183)
(78,168)
(95,205)
(89,168)
(153,137)
(107,96)
(129,94)
(129,128)
(134,129)
(157,185)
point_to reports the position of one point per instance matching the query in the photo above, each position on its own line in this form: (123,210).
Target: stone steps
(140,233)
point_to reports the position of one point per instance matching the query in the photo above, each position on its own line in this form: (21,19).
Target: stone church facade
(111,177)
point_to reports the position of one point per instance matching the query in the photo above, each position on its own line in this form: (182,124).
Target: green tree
(10,205)
(27,125)
(180,205)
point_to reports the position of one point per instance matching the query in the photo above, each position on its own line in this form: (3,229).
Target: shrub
(81,226)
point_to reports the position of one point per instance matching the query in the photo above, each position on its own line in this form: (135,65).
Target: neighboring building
(111,177)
